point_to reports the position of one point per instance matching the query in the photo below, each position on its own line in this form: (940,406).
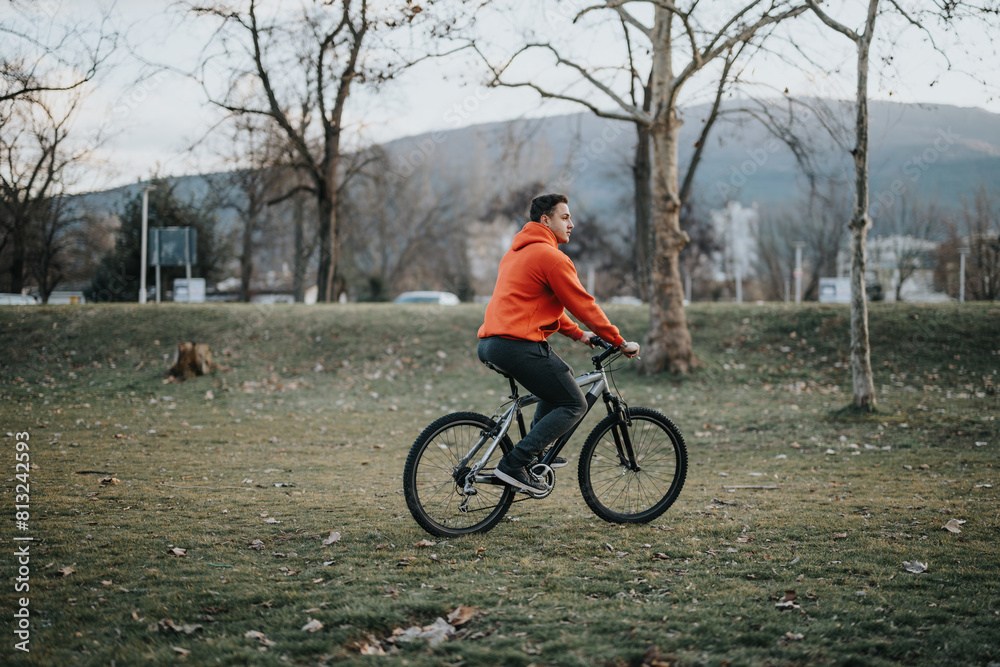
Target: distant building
(734,230)
(898,259)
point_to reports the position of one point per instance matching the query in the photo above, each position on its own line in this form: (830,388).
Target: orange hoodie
(536,284)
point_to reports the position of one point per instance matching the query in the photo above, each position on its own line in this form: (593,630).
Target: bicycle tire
(429,485)
(618,495)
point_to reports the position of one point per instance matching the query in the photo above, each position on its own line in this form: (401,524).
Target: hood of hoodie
(533,232)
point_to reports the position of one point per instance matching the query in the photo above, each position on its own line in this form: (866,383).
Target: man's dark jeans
(539,370)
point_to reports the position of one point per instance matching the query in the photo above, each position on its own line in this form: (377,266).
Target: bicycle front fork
(620,432)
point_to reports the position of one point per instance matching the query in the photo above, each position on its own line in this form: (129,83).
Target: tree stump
(190,359)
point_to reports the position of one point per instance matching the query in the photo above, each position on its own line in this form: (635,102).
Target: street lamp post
(798,271)
(962,252)
(144,242)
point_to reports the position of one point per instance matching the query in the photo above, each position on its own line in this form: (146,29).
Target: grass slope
(304,428)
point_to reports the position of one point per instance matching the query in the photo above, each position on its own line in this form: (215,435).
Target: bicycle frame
(597,381)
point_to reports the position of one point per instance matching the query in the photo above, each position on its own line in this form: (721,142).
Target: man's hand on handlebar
(630,349)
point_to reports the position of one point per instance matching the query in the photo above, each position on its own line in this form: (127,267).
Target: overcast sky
(150,123)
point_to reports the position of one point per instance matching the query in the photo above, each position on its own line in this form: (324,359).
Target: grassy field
(188,522)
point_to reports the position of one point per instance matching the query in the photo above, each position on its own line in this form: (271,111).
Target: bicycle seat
(498,370)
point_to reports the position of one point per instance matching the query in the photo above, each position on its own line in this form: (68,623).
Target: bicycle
(631,470)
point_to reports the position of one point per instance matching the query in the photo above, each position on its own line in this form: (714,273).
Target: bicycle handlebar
(609,349)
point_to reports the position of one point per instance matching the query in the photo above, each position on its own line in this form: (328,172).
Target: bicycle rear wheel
(621,495)
(432,483)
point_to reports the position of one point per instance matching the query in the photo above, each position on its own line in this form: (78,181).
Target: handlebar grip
(600,342)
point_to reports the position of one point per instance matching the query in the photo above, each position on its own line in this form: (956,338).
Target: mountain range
(933,152)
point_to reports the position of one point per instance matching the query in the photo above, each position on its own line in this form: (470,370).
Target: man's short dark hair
(544,205)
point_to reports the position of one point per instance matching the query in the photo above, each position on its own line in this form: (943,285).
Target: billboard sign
(173,246)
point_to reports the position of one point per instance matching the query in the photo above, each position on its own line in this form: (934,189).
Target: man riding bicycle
(536,285)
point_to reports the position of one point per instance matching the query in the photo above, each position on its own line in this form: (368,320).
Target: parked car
(17,300)
(439,298)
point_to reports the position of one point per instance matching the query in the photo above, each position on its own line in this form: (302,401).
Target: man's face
(560,222)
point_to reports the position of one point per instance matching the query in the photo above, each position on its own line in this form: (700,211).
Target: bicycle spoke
(616,492)
(433,493)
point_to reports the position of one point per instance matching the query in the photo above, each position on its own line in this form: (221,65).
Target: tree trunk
(246,255)
(17,259)
(324,272)
(668,341)
(301,261)
(861,365)
(329,233)
(190,359)
(641,174)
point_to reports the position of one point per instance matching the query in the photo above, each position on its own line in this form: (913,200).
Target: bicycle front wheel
(433,483)
(614,491)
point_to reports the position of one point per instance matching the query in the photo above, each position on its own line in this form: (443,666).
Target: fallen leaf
(312,626)
(424,543)
(109,481)
(916,567)
(260,637)
(334,537)
(66,571)
(177,551)
(182,651)
(794,636)
(433,634)
(369,649)
(840,536)
(953,525)
(461,615)
(187,628)
(271,519)
(257,545)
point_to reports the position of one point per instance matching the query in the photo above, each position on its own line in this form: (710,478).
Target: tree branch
(830,22)
(632,112)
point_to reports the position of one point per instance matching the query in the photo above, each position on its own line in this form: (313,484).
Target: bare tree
(43,54)
(861,365)
(817,221)
(980,223)
(949,14)
(34,158)
(48,58)
(258,153)
(401,229)
(682,41)
(304,69)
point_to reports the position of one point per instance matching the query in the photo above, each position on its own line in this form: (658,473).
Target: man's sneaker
(557,462)
(519,477)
